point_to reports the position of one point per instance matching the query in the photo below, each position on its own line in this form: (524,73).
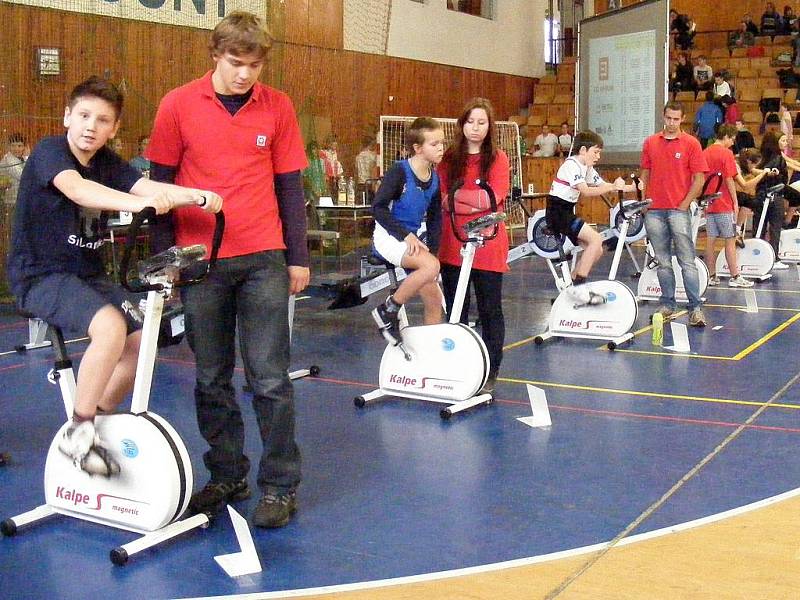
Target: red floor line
(608,413)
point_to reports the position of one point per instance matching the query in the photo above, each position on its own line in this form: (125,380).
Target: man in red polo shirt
(229,133)
(672,174)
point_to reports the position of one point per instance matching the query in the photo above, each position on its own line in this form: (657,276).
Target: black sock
(578,279)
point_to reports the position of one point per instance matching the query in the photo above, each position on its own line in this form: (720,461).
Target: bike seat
(775,188)
(379,261)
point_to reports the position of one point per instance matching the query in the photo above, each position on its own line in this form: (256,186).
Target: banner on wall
(203,14)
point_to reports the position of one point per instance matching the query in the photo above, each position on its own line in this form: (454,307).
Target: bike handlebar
(148,214)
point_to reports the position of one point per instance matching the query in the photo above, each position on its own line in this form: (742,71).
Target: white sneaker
(713,280)
(82,444)
(779,266)
(739,281)
(579,294)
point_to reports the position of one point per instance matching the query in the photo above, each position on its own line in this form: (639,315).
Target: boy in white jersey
(576,177)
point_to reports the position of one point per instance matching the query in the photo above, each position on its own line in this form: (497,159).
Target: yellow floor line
(585,388)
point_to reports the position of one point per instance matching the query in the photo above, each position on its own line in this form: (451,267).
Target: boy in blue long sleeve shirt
(708,117)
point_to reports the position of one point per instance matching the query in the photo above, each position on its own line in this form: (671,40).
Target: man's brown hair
(241,33)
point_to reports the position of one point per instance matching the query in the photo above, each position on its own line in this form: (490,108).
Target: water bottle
(658,329)
(341,192)
(351,192)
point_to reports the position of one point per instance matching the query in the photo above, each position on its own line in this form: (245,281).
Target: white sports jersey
(570,174)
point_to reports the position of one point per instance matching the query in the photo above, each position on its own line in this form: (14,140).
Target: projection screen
(622,77)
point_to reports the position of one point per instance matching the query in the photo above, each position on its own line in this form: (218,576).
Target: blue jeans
(249,292)
(671,231)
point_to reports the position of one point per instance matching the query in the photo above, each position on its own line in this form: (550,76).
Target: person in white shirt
(576,177)
(703,74)
(721,87)
(11,166)
(564,140)
(546,143)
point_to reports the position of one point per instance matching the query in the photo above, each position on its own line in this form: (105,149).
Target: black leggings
(488,286)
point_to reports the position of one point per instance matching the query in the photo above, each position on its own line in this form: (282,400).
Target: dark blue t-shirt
(51,233)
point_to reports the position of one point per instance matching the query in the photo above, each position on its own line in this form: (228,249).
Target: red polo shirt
(720,160)
(672,164)
(234,156)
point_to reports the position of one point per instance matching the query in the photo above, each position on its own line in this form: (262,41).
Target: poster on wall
(622,88)
(203,14)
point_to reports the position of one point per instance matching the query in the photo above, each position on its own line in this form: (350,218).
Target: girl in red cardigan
(474,155)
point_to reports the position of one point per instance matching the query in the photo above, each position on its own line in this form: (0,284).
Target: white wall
(510,43)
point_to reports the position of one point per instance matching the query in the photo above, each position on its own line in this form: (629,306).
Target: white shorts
(389,247)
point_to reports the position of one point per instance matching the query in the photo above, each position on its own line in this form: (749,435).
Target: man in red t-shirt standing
(721,213)
(229,133)
(672,174)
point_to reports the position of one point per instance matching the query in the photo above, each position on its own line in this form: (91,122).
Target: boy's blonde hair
(415,134)
(241,33)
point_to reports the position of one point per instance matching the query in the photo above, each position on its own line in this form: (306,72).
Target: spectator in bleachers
(742,37)
(677,27)
(546,143)
(787,21)
(751,26)
(744,139)
(139,162)
(682,79)
(731,110)
(706,120)
(564,140)
(770,20)
(703,74)
(787,128)
(721,87)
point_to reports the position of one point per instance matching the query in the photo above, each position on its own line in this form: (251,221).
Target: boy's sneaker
(275,510)
(579,294)
(713,280)
(779,266)
(665,311)
(216,494)
(739,281)
(82,445)
(697,318)
(388,322)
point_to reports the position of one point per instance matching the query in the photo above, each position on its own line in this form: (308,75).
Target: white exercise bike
(649,287)
(757,257)
(789,245)
(536,223)
(446,363)
(611,310)
(151,489)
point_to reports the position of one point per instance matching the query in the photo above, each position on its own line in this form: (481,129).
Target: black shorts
(748,201)
(561,218)
(70,303)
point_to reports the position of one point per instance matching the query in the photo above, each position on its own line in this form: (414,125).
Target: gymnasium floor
(643,441)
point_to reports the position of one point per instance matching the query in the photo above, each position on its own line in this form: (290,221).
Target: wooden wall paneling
(294,26)
(325,23)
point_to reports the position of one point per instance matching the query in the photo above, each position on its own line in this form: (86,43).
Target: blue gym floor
(392,490)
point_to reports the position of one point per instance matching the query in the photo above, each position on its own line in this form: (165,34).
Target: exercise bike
(536,225)
(611,309)
(758,256)
(649,287)
(446,363)
(789,245)
(152,488)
